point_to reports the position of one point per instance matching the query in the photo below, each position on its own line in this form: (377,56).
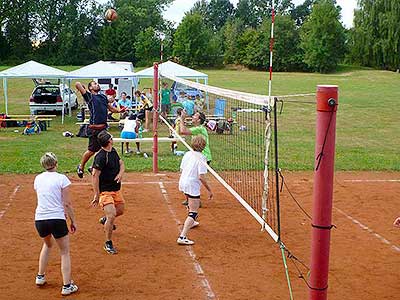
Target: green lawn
(367,123)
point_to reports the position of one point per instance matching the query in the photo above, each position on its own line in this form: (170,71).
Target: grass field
(367,123)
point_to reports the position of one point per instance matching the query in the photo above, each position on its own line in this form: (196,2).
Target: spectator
(111,91)
(130,131)
(124,101)
(188,105)
(165,100)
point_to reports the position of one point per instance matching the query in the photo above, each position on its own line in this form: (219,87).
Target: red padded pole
(327,101)
(155,119)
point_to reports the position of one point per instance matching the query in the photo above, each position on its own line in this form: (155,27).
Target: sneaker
(79,171)
(195,224)
(183,240)
(90,170)
(72,288)
(186,203)
(109,248)
(40,280)
(138,152)
(103,220)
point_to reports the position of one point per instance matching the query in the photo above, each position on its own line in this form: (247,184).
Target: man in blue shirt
(98,106)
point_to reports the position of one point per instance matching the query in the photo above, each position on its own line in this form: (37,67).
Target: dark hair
(132,117)
(90,84)
(128,97)
(179,111)
(104,138)
(202,117)
(123,93)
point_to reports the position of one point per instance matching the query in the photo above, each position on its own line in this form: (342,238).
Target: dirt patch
(236,259)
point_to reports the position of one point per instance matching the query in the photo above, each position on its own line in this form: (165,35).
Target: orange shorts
(111,198)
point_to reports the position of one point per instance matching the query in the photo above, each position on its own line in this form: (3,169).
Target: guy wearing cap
(107,173)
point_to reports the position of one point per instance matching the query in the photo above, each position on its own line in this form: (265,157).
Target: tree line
(214,33)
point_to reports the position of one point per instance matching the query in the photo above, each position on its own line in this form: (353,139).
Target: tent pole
(63,103)
(69,97)
(207,100)
(5,94)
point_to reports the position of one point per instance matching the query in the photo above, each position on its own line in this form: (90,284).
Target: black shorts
(57,227)
(192,197)
(94,144)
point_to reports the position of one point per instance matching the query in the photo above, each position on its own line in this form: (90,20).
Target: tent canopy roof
(101,69)
(32,69)
(172,69)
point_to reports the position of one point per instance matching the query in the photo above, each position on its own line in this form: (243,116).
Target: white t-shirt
(192,166)
(129,125)
(48,187)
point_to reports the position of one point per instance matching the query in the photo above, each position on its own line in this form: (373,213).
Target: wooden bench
(143,140)
(47,120)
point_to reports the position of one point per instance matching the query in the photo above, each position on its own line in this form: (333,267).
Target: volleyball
(111,15)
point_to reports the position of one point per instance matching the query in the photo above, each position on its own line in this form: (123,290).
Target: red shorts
(111,198)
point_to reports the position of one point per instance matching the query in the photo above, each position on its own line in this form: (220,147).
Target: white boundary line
(371,180)
(199,270)
(125,183)
(2,212)
(364,227)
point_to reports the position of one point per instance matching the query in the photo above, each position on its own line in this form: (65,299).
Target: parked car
(177,87)
(49,97)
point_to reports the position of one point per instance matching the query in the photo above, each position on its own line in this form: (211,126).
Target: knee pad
(192,215)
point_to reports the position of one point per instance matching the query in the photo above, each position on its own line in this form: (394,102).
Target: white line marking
(125,183)
(199,270)
(364,227)
(9,202)
(371,180)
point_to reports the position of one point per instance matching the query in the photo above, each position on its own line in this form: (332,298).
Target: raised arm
(80,87)
(182,128)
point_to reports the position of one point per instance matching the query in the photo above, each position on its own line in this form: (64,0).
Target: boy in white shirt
(53,205)
(193,167)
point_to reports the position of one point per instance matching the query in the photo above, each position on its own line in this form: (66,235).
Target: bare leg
(44,254)
(85,157)
(119,209)
(193,207)
(111,214)
(137,146)
(63,244)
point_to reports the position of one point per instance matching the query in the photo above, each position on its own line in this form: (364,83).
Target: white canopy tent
(170,68)
(101,69)
(30,69)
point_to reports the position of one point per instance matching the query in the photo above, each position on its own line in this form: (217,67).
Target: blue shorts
(128,135)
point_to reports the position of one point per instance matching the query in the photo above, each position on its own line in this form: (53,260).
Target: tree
(301,12)
(323,37)
(231,32)
(254,12)
(147,47)
(195,44)
(218,12)
(19,28)
(375,39)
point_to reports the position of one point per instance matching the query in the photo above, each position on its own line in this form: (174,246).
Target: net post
(155,118)
(327,101)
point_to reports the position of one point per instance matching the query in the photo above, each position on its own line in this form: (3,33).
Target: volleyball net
(241,138)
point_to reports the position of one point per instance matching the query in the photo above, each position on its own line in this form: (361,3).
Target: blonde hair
(48,160)
(198,143)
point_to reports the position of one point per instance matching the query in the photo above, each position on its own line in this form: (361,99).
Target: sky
(177,9)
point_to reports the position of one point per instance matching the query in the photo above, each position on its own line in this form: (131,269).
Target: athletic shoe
(109,248)
(90,170)
(79,171)
(103,220)
(138,152)
(72,288)
(184,241)
(195,224)
(40,280)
